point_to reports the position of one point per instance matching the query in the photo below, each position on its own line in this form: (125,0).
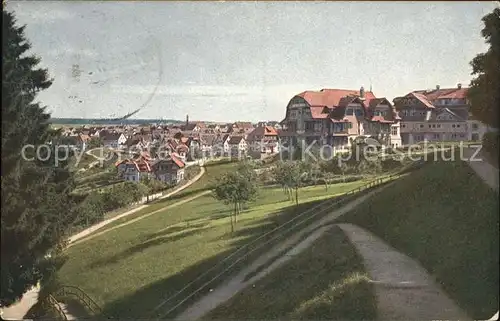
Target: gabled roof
(208,139)
(263,131)
(109,136)
(449,111)
(318,112)
(234,140)
(444,93)
(176,159)
(331,97)
(420,97)
(243,125)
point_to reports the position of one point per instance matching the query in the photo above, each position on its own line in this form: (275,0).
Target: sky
(229,61)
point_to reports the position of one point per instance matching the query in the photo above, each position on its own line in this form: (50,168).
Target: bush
(491,144)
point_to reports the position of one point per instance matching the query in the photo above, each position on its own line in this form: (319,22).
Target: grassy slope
(130,269)
(325,281)
(447,218)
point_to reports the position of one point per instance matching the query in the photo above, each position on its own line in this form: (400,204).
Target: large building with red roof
(440,114)
(337,116)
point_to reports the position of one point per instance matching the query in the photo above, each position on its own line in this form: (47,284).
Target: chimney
(437,87)
(362,92)
(459,86)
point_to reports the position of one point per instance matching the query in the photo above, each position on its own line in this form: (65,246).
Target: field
(444,216)
(137,265)
(326,281)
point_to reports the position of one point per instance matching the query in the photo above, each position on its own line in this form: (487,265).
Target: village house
(134,170)
(170,170)
(207,143)
(264,139)
(235,145)
(242,127)
(112,140)
(336,117)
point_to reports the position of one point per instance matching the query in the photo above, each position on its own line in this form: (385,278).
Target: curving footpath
(227,290)
(18,310)
(95,227)
(404,290)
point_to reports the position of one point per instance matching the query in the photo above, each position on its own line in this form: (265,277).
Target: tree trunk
(297,196)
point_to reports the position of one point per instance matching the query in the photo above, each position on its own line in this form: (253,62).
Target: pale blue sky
(227,61)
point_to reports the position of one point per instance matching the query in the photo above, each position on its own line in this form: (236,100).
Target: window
(421,126)
(453,125)
(430,125)
(412,112)
(405,112)
(394,131)
(359,112)
(350,126)
(403,125)
(458,126)
(438,125)
(436,136)
(349,112)
(475,126)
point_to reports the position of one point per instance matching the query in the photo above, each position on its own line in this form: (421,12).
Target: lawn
(444,216)
(326,281)
(130,269)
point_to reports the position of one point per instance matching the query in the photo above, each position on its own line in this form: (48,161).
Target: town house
(336,117)
(436,115)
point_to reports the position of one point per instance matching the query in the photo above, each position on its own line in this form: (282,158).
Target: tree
(280,175)
(297,173)
(38,211)
(484,91)
(94,142)
(235,188)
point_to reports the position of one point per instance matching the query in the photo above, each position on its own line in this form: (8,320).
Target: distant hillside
(84,121)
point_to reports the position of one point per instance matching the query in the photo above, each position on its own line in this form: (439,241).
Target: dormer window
(349,112)
(359,112)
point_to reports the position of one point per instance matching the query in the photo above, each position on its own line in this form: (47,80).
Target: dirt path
(227,290)
(83,239)
(404,289)
(18,310)
(483,169)
(97,226)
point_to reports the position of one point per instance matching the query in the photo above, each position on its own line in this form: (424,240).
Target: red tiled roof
(381,119)
(317,112)
(270,131)
(177,160)
(263,131)
(456,93)
(331,97)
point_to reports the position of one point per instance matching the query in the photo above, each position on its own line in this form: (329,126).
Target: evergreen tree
(37,209)
(484,91)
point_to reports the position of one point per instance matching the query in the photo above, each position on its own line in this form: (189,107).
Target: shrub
(491,144)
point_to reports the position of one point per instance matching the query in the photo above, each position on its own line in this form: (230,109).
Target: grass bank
(130,270)
(326,281)
(444,216)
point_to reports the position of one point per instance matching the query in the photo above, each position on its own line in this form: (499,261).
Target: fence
(80,296)
(57,308)
(229,264)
